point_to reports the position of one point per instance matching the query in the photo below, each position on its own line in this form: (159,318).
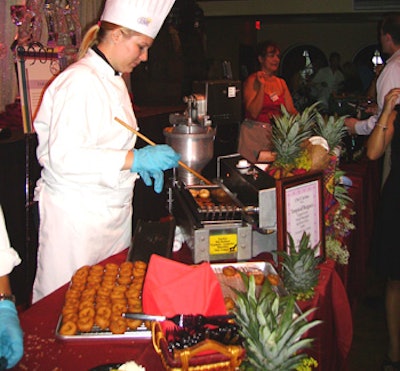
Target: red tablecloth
(333,337)
(366,178)
(43,351)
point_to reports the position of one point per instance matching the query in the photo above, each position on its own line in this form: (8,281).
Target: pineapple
(300,272)
(271,328)
(332,129)
(288,135)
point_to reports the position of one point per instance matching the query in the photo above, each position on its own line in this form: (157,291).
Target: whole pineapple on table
(288,135)
(300,270)
(272,329)
(295,149)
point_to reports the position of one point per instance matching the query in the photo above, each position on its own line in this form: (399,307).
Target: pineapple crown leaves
(332,129)
(304,249)
(289,132)
(300,271)
(271,327)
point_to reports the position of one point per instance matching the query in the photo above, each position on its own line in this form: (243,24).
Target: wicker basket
(207,355)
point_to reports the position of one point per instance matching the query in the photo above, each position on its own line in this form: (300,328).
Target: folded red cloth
(175,288)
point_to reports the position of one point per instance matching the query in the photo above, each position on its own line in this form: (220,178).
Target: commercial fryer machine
(234,218)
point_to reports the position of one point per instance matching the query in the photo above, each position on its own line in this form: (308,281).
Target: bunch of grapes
(185,337)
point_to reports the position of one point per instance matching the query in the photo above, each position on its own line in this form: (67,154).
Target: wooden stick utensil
(148,141)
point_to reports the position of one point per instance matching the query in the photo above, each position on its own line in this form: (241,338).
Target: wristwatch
(7,297)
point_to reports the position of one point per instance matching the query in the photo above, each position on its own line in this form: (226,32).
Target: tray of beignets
(229,277)
(96,298)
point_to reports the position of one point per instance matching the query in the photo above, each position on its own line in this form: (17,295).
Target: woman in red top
(263,93)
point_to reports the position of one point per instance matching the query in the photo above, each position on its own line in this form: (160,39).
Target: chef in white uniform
(89,164)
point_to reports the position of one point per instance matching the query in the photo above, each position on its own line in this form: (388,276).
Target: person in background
(263,94)
(387,246)
(11,337)
(352,84)
(327,81)
(89,162)
(388,78)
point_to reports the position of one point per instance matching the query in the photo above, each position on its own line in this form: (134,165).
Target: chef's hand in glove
(150,161)
(11,338)
(158,179)
(154,158)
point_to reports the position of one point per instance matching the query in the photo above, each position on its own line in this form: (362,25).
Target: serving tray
(141,332)
(118,280)
(235,281)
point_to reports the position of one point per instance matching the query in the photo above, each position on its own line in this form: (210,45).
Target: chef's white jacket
(85,200)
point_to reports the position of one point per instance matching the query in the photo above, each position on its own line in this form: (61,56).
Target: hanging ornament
(36,9)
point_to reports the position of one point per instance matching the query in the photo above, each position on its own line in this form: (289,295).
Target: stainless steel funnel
(195,144)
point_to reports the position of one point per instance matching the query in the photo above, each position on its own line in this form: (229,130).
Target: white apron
(85,200)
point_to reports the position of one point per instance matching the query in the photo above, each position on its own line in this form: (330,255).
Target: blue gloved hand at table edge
(154,158)
(158,179)
(11,337)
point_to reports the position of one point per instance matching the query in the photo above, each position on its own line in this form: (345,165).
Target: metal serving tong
(182,320)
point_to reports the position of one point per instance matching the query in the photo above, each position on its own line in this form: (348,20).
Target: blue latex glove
(158,179)
(11,338)
(154,158)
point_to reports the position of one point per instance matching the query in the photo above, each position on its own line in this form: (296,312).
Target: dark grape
(185,337)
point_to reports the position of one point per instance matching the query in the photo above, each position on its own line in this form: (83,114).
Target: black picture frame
(300,208)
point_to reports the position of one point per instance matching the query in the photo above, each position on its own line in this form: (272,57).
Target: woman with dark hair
(264,94)
(387,132)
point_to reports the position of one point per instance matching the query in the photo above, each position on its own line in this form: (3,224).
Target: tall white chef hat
(144,16)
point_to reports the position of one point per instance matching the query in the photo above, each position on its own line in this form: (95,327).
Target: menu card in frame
(300,209)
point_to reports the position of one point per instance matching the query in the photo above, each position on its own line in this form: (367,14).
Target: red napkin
(173,288)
